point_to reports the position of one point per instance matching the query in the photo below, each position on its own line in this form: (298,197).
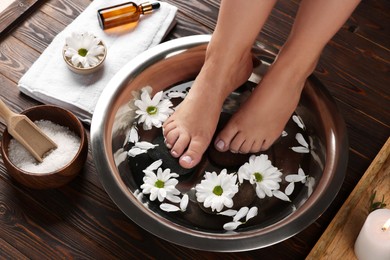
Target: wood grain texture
(80,220)
(14,13)
(339,238)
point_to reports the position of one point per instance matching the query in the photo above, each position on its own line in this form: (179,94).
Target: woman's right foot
(189,130)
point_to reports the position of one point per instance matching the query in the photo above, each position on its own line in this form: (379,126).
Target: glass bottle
(125,13)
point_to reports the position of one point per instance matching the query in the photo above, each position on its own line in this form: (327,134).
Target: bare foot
(188,132)
(262,118)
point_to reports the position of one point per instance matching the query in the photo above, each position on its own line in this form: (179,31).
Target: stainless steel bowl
(179,61)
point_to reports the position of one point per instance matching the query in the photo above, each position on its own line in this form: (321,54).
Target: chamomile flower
(217,191)
(83,49)
(260,171)
(152,111)
(161,185)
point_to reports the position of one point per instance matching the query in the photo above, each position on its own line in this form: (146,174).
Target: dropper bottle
(126,13)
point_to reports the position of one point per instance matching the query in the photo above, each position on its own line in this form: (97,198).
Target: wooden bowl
(82,70)
(62,176)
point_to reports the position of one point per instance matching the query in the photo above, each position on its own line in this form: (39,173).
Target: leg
(260,121)
(228,64)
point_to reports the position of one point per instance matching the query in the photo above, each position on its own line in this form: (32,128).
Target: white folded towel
(51,82)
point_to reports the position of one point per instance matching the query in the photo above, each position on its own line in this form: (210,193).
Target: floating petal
(133,135)
(301,140)
(300,149)
(231,225)
(229,212)
(251,213)
(298,120)
(169,207)
(184,202)
(280,195)
(241,213)
(134,151)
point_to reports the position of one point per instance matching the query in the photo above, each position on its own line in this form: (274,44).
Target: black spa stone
(162,152)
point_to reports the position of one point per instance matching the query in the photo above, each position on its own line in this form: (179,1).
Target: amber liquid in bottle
(122,14)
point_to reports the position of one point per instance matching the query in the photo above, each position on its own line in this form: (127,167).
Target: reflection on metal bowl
(176,62)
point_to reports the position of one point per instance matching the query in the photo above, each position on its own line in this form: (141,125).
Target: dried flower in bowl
(84,52)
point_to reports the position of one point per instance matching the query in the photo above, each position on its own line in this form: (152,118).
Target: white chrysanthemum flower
(260,171)
(152,111)
(217,191)
(83,49)
(161,185)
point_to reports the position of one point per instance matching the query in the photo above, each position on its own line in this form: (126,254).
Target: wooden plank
(15,58)
(9,252)
(65,11)
(371,22)
(38,31)
(338,239)
(13,12)
(37,233)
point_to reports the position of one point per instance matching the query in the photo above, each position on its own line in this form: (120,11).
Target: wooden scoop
(27,133)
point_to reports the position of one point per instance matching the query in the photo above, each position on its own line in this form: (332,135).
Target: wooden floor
(80,220)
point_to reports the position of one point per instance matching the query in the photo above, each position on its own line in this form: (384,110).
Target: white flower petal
(134,151)
(301,140)
(169,207)
(284,134)
(298,120)
(176,94)
(231,225)
(251,213)
(310,185)
(228,213)
(184,202)
(300,149)
(155,165)
(280,195)
(133,135)
(295,178)
(289,189)
(145,145)
(241,213)
(174,199)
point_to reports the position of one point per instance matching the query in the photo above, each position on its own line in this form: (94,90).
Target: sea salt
(68,144)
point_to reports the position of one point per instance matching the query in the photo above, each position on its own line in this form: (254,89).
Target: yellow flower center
(159,184)
(152,110)
(258,176)
(218,190)
(83,52)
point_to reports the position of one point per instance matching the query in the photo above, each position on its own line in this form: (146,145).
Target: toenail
(232,151)
(220,145)
(186,159)
(169,146)
(174,153)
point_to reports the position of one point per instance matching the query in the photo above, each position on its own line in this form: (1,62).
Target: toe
(169,126)
(267,144)
(180,145)
(224,138)
(171,137)
(194,153)
(236,143)
(246,146)
(256,146)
